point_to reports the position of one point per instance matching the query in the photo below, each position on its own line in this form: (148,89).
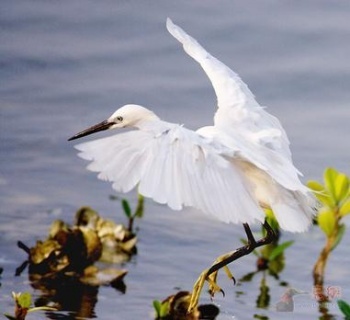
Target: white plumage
(230,170)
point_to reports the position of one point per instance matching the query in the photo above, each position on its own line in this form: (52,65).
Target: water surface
(67,65)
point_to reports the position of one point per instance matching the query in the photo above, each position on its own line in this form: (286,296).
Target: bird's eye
(120,119)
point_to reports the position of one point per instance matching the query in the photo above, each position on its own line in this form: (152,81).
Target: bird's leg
(211,278)
(213,287)
(210,274)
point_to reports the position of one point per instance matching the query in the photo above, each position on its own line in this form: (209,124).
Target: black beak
(104,125)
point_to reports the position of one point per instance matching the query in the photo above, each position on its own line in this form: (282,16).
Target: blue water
(65,65)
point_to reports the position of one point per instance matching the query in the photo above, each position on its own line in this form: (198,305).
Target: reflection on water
(269,264)
(63,266)
(73,296)
(69,294)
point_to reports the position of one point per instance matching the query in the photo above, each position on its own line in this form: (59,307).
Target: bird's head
(130,115)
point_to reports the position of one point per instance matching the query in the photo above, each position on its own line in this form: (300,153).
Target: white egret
(231,170)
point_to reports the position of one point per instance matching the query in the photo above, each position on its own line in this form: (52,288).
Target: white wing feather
(176,167)
(241,124)
(258,135)
(179,167)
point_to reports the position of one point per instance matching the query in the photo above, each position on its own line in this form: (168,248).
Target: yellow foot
(213,286)
(197,289)
(211,279)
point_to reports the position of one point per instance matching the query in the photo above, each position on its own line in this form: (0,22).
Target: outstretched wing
(176,167)
(257,134)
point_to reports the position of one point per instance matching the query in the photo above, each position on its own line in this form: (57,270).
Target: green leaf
(271,220)
(344,308)
(248,277)
(139,208)
(337,184)
(315,185)
(9,316)
(339,236)
(25,300)
(157,306)
(326,220)
(126,208)
(320,193)
(164,309)
(280,249)
(330,176)
(161,308)
(345,208)
(341,187)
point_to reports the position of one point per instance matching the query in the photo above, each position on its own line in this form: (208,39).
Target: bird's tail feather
(294,210)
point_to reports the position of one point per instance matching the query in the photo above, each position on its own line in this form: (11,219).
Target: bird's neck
(154,125)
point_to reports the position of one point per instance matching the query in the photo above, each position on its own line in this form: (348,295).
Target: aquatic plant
(270,260)
(344,308)
(334,198)
(176,307)
(161,308)
(23,302)
(138,213)
(68,260)
(70,249)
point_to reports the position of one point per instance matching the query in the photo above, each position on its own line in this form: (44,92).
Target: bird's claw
(213,286)
(212,292)
(234,280)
